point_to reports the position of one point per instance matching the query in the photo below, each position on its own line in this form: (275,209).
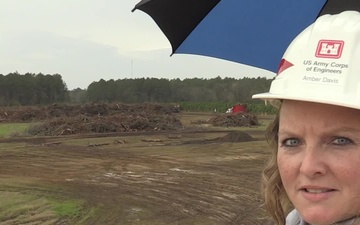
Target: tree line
(176,90)
(40,89)
(31,89)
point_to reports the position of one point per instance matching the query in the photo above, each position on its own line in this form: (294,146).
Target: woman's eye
(291,142)
(342,141)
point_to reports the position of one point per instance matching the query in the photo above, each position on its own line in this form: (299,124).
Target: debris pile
(93,118)
(41,113)
(234,120)
(231,120)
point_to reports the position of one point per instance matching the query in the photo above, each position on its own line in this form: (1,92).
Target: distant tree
(95,91)
(77,96)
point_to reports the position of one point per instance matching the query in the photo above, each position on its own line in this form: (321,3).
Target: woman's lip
(316,193)
(317,190)
(313,187)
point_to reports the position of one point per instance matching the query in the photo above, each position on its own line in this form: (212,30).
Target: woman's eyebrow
(289,131)
(343,129)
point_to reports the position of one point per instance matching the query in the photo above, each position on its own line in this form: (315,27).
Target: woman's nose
(312,164)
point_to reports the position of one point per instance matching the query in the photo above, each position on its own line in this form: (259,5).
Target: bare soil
(190,176)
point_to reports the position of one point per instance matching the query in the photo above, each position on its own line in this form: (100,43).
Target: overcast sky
(89,40)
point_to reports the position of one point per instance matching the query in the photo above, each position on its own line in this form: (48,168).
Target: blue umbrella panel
(251,32)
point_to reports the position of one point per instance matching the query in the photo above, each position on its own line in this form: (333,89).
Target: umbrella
(251,32)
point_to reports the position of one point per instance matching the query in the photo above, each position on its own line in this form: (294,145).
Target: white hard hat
(322,64)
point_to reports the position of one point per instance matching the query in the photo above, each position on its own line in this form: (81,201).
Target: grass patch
(11,129)
(69,208)
(19,206)
(21,203)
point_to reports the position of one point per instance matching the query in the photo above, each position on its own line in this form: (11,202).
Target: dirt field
(190,177)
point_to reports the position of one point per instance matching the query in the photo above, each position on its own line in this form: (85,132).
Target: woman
(313,174)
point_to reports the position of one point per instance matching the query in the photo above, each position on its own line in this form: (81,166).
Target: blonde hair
(276,200)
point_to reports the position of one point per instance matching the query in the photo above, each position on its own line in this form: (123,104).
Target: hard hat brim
(276,99)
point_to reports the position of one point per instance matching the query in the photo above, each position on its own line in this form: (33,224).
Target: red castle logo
(329,49)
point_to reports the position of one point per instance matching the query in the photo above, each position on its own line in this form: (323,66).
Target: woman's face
(319,160)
